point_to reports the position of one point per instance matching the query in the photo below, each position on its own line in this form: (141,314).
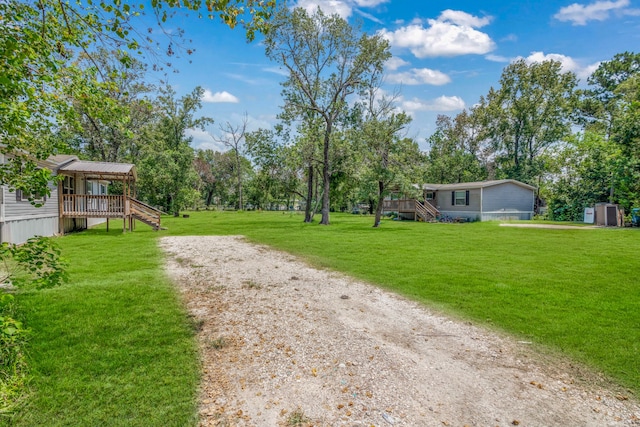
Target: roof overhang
(107,171)
(473,185)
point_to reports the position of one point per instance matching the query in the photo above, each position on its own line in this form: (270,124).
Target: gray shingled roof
(477,184)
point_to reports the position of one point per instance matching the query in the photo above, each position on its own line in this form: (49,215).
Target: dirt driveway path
(285,344)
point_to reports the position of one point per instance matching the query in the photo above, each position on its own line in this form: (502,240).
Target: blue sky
(445,54)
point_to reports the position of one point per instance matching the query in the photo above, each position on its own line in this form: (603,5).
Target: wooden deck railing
(404,205)
(87,206)
(426,211)
(145,213)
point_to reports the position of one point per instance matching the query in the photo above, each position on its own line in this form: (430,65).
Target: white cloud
(344,8)
(568,63)
(368,16)
(496,58)
(394,63)
(369,3)
(579,14)
(441,104)
(419,76)
(223,96)
(277,70)
(203,140)
(329,7)
(459,17)
(452,34)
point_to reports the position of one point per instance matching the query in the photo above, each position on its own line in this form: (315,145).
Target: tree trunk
(308,216)
(376,222)
(240,201)
(325,176)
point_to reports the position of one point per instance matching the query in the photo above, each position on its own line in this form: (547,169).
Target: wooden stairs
(145,213)
(426,212)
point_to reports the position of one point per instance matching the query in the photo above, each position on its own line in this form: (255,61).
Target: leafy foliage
(526,115)
(167,176)
(13,340)
(36,263)
(328,60)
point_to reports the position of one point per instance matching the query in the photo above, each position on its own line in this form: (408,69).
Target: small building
(79,200)
(505,199)
(608,215)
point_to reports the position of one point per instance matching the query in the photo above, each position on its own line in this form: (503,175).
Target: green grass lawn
(115,346)
(573,291)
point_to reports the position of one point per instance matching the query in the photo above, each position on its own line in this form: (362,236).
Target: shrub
(13,338)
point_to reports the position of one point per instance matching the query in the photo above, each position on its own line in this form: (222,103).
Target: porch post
(60,209)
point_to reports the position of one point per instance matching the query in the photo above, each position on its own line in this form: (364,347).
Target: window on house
(21,196)
(429,195)
(460,198)
(68,185)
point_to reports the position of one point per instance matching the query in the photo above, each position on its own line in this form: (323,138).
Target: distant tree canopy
(526,128)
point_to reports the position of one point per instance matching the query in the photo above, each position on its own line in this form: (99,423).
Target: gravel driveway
(286,344)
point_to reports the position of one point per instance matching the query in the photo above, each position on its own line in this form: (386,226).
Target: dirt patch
(286,344)
(550,226)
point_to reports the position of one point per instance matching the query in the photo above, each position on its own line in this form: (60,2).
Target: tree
(327,60)
(584,171)
(390,157)
(39,44)
(278,172)
(599,105)
(109,113)
(233,137)
(526,115)
(454,151)
(167,176)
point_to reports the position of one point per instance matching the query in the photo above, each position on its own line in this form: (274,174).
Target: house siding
(470,211)
(507,201)
(21,220)
(21,230)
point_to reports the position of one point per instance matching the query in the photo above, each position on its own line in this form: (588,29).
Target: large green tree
(390,158)
(454,153)
(39,45)
(112,107)
(583,172)
(327,61)
(167,177)
(599,104)
(526,115)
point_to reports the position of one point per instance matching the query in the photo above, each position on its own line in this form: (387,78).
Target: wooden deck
(425,211)
(88,206)
(109,206)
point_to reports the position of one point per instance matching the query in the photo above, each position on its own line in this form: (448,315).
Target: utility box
(635,217)
(607,214)
(589,215)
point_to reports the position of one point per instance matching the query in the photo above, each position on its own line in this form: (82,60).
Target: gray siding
(470,211)
(21,220)
(21,230)
(14,209)
(443,199)
(507,197)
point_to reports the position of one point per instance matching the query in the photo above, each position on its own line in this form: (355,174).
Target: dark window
(460,198)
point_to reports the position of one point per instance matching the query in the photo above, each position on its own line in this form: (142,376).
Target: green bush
(13,338)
